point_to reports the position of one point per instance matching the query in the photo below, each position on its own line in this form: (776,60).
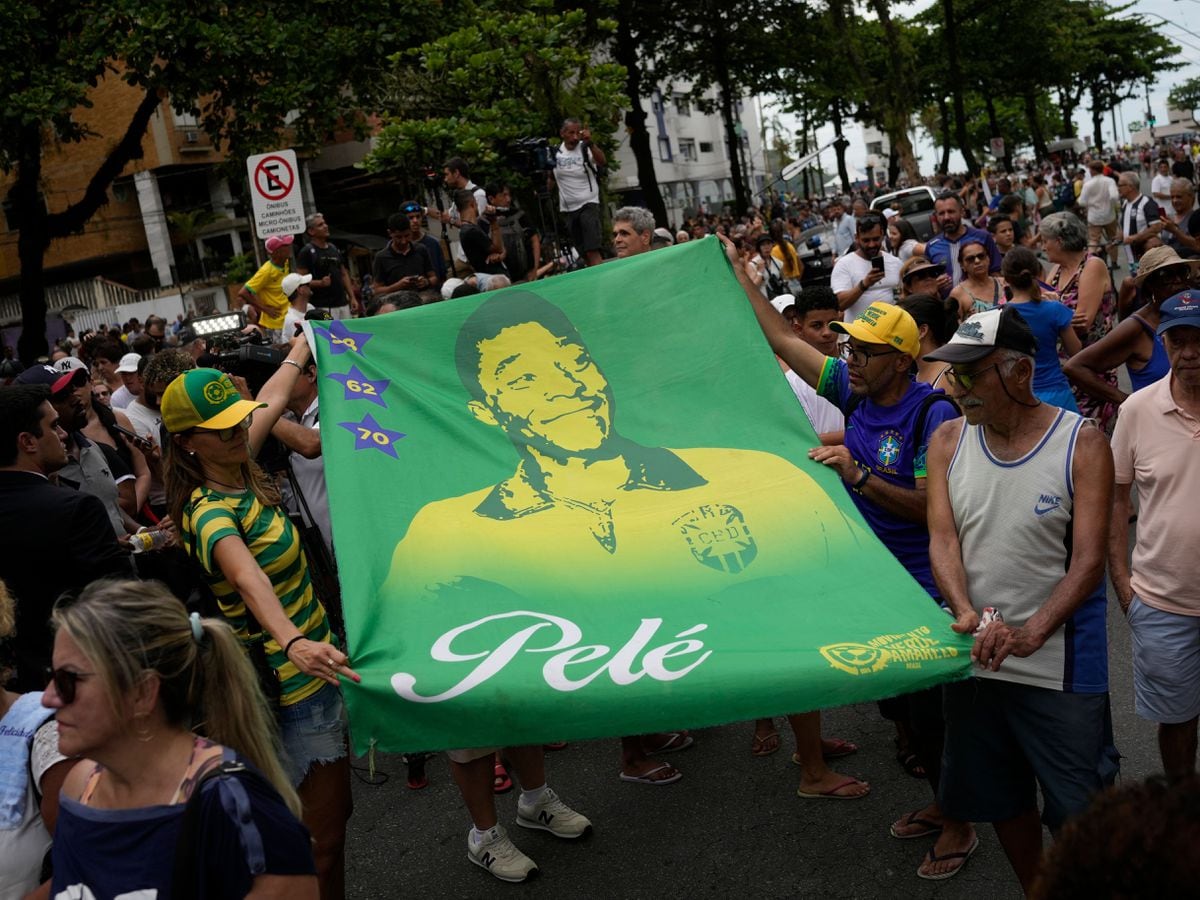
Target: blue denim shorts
(312,731)
(1166,664)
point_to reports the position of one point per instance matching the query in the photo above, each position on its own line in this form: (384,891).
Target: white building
(691,156)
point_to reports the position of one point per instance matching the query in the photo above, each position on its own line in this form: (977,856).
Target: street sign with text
(275,193)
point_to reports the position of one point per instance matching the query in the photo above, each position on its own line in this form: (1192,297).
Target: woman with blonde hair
(180,777)
(231,523)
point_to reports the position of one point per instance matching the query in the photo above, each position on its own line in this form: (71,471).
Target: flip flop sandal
(676,741)
(832,793)
(931,828)
(646,779)
(933,857)
(765,745)
(840,748)
(501,782)
(911,763)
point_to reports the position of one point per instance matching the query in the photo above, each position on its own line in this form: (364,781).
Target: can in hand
(989,615)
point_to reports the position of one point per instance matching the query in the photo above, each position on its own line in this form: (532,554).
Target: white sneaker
(499,855)
(552,815)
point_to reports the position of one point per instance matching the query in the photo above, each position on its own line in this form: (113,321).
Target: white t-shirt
(310,478)
(121,398)
(22,848)
(577,184)
(850,269)
(1100,197)
(290,320)
(1160,187)
(145,420)
(824,416)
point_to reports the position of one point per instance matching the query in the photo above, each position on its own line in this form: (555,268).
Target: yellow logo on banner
(911,649)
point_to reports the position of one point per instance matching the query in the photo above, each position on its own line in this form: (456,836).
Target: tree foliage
(248,72)
(1186,95)
(496,75)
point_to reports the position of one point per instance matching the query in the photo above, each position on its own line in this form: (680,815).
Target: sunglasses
(65,681)
(967,380)
(974,259)
(225,435)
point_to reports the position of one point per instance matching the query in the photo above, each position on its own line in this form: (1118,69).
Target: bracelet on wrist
(858,485)
(292,362)
(288,646)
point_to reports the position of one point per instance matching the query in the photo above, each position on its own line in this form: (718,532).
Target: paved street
(732,827)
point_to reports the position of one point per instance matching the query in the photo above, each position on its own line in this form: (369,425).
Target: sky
(1182,16)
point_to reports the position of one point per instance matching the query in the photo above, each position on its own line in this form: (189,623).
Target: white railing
(90,293)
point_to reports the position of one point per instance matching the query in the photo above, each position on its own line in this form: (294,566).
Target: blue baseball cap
(1180,309)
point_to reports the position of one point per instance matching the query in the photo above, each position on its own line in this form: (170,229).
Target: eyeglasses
(225,435)
(966,380)
(974,259)
(65,681)
(858,357)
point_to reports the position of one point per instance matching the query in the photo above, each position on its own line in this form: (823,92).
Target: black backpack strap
(185,874)
(923,413)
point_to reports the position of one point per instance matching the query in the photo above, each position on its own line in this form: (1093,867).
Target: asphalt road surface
(733,826)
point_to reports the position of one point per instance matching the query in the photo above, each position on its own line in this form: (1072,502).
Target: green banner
(584,508)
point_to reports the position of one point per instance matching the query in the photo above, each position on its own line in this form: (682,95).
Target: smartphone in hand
(877,263)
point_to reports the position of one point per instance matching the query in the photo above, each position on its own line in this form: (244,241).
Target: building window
(706,147)
(185,119)
(664,148)
(683,106)
(687,149)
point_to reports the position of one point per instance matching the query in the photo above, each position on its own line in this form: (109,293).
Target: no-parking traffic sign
(275,193)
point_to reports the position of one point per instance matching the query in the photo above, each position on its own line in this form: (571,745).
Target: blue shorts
(1004,739)
(312,731)
(1166,664)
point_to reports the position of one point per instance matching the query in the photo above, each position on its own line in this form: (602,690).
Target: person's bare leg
(815,775)
(1021,838)
(766,738)
(474,780)
(326,798)
(1177,746)
(529,765)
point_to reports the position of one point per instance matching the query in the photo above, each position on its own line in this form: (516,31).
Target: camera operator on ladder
(576,170)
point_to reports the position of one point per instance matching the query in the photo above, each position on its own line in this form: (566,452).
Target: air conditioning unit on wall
(191,137)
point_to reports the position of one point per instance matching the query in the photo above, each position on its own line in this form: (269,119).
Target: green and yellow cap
(203,398)
(884,323)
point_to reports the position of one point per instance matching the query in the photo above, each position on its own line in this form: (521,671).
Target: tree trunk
(839,146)
(994,128)
(944,114)
(893,167)
(1097,120)
(38,227)
(728,99)
(32,242)
(956,87)
(1066,105)
(1035,125)
(625,52)
(897,133)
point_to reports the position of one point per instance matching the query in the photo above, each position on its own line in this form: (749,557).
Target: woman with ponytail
(1050,322)
(153,701)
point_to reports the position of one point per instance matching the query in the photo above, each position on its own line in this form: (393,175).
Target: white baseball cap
(291,281)
(129,363)
(70,364)
(782,302)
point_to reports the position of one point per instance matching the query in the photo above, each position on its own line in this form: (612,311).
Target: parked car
(915,206)
(815,247)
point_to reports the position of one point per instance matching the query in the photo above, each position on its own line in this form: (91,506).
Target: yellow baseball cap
(884,323)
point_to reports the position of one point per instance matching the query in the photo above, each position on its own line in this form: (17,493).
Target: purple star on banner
(359,387)
(342,338)
(368,433)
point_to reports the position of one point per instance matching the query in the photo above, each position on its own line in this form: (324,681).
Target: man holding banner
(890,419)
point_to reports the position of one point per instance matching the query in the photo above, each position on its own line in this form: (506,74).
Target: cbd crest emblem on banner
(718,537)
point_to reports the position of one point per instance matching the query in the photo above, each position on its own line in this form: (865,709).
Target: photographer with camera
(577,168)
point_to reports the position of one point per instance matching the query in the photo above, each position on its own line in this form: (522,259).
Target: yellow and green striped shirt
(211,516)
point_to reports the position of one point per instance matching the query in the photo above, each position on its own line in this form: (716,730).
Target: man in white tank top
(1018,501)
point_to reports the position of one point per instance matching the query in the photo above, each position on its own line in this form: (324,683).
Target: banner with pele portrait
(583,508)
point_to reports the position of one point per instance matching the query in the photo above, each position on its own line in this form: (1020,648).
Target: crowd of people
(169,610)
